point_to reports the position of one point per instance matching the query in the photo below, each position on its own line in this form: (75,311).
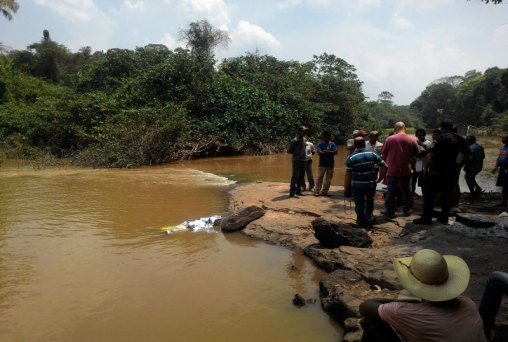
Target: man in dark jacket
(440,173)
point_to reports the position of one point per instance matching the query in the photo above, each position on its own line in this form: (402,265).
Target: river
(83,257)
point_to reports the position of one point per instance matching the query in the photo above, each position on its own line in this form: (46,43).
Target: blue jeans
(394,183)
(297,177)
(497,285)
(364,206)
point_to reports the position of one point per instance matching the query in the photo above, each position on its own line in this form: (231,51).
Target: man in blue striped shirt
(362,168)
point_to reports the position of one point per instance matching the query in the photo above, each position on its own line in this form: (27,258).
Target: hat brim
(458,280)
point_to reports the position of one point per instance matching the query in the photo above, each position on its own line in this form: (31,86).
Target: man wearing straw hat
(441,314)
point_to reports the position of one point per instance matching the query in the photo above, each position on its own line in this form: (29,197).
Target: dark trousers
(364,206)
(297,177)
(444,185)
(497,285)
(473,186)
(405,186)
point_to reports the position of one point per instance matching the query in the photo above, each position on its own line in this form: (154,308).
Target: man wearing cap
(373,144)
(441,315)
(399,152)
(297,148)
(350,143)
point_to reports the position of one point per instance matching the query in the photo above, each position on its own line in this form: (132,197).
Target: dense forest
(151,105)
(477,99)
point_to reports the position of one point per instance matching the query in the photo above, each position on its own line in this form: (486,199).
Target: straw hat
(432,276)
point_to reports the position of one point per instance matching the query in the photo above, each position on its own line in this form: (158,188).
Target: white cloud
(402,23)
(215,11)
(501,36)
(170,41)
(425,4)
(71,9)
(134,5)
(288,3)
(247,34)
(294,3)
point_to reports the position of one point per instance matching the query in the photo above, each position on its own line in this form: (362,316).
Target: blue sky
(396,45)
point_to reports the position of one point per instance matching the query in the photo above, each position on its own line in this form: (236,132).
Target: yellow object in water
(174,228)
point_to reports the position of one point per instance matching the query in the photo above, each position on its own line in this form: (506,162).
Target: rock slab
(476,220)
(240,219)
(335,234)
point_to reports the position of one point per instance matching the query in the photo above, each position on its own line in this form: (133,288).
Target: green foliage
(8,8)
(137,137)
(151,105)
(479,100)
(202,38)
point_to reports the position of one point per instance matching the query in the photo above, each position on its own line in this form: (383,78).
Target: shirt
(452,321)
(420,160)
(475,162)
(503,156)
(326,160)
(297,148)
(446,154)
(398,151)
(309,150)
(378,147)
(364,166)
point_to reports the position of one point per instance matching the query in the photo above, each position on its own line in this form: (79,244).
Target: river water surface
(83,257)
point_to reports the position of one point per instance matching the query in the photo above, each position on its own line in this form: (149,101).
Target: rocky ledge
(358,262)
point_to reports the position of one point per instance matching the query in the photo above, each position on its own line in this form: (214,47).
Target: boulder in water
(240,219)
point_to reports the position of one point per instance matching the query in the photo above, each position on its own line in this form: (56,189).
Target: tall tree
(8,8)
(202,38)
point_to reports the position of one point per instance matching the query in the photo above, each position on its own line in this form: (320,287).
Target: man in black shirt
(440,172)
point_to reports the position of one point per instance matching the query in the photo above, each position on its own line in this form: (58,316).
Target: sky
(399,46)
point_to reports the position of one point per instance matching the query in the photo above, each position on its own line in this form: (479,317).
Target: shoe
(443,222)
(388,216)
(293,196)
(421,220)
(300,194)
(316,194)
(325,194)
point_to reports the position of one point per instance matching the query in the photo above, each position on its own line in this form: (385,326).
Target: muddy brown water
(83,257)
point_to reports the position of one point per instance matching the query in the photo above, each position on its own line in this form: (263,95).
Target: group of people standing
(437,309)
(402,163)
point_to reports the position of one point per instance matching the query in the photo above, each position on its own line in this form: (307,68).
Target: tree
(8,8)
(202,38)
(385,97)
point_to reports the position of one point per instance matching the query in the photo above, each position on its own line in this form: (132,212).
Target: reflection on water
(82,257)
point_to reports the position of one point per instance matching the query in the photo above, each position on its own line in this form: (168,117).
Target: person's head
(470,139)
(431,276)
(420,134)
(373,137)
(302,131)
(446,126)
(359,133)
(435,134)
(326,136)
(359,142)
(399,127)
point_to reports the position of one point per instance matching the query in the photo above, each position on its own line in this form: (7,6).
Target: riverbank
(356,274)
